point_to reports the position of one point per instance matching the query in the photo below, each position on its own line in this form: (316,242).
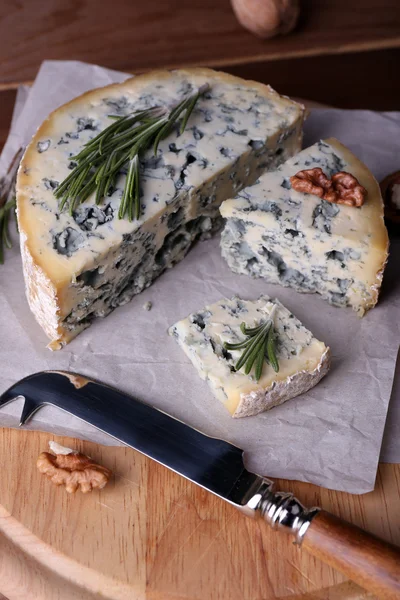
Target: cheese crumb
(58,449)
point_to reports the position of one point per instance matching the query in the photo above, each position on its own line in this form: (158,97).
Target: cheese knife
(217,466)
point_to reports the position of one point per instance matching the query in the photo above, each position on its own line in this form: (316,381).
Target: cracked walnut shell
(342,188)
(73,470)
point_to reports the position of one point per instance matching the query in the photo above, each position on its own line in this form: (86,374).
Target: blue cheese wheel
(300,241)
(82,266)
(303,360)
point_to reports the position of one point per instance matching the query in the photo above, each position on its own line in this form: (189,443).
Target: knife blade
(211,463)
(217,466)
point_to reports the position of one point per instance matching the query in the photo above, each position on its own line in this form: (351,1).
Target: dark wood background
(133,35)
(343,52)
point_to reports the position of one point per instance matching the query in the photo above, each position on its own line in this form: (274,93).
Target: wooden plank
(151,535)
(139,35)
(336,80)
(306,77)
(7,100)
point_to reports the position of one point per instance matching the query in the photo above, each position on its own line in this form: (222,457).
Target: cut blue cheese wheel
(299,240)
(81,266)
(303,360)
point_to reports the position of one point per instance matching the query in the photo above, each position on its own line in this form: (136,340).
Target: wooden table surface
(150,535)
(140,35)
(343,52)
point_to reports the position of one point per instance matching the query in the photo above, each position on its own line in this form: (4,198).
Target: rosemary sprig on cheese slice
(83,265)
(259,346)
(118,146)
(211,338)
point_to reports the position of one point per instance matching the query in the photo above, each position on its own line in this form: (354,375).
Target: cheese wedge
(303,360)
(82,266)
(309,244)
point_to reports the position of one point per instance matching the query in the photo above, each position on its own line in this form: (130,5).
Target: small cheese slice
(303,360)
(82,266)
(309,244)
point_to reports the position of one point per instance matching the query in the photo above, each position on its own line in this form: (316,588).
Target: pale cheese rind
(82,266)
(298,240)
(303,360)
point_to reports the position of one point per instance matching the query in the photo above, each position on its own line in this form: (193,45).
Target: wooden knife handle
(370,562)
(367,560)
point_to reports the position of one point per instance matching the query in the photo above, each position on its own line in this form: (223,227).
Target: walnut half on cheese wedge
(82,265)
(303,360)
(303,241)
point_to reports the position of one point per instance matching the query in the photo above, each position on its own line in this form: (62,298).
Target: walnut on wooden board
(342,188)
(72,469)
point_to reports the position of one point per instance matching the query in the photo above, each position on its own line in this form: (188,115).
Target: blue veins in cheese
(80,267)
(303,360)
(300,241)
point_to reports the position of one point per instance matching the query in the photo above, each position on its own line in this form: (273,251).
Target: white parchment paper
(331,436)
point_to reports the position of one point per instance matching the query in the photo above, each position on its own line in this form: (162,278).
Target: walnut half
(342,188)
(72,469)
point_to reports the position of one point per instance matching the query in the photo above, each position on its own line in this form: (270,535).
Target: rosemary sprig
(7,202)
(259,346)
(120,145)
(5,240)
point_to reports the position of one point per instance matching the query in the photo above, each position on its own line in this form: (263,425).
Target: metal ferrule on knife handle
(281,510)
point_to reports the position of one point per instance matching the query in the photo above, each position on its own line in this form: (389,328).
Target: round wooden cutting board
(152,535)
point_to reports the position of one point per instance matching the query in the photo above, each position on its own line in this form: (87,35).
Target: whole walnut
(267,18)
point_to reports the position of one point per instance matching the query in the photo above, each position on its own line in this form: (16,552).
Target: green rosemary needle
(257,347)
(8,202)
(121,146)
(5,214)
